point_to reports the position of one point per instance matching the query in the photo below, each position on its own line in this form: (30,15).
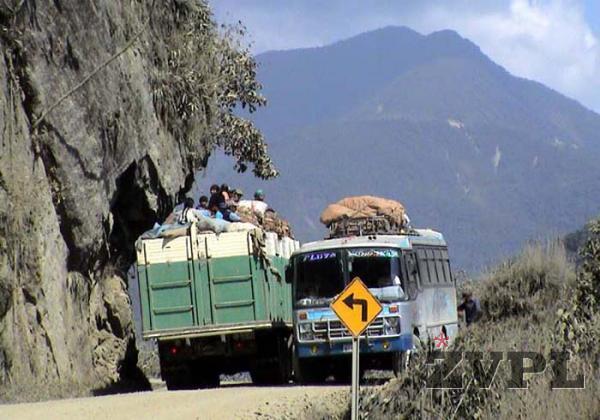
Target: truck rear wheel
(209,379)
(192,377)
(269,374)
(274,368)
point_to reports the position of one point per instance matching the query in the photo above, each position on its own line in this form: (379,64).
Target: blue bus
(410,275)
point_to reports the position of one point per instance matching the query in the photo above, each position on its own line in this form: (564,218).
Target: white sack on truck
(362,207)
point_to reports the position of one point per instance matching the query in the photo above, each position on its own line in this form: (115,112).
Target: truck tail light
(394,309)
(173,350)
(302,316)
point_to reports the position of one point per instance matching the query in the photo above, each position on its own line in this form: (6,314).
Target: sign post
(356,308)
(355,376)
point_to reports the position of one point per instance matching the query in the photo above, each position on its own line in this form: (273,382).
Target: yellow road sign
(356,307)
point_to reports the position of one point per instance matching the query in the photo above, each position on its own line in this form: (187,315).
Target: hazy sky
(556,42)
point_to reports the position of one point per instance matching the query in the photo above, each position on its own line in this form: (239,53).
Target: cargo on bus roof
(364,215)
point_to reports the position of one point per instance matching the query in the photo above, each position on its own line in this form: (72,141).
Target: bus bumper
(370,346)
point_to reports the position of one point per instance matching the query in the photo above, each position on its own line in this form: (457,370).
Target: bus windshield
(379,269)
(319,278)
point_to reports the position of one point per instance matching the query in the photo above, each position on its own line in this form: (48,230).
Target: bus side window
(422,263)
(446,264)
(433,275)
(439,264)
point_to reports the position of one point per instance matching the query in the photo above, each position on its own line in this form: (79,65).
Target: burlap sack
(363,206)
(248,216)
(175,233)
(273,223)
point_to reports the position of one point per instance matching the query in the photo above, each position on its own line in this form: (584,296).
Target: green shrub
(578,326)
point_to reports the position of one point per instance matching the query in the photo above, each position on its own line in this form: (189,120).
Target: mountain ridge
(488,158)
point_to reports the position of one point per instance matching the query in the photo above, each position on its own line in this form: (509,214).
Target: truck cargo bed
(208,284)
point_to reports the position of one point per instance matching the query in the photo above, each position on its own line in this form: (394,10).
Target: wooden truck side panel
(206,283)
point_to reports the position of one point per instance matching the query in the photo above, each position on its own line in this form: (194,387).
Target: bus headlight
(304,327)
(305,330)
(391,325)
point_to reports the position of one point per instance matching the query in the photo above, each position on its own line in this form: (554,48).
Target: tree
(203,75)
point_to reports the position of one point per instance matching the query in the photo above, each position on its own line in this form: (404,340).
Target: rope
(93,73)
(260,250)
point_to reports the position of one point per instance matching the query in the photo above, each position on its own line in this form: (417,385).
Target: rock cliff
(88,160)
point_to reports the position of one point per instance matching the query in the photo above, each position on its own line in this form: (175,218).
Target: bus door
(412,278)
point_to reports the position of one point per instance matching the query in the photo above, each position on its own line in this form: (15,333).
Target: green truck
(217,304)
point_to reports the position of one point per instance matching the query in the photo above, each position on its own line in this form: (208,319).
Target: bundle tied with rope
(270,221)
(364,208)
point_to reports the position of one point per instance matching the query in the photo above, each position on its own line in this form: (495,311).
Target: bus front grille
(333,329)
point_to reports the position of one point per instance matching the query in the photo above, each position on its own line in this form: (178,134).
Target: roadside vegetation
(536,302)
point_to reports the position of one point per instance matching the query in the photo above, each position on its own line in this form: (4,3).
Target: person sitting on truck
(203,206)
(225,192)
(173,217)
(224,205)
(189,214)
(259,195)
(470,307)
(215,196)
(234,201)
(236,196)
(257,205)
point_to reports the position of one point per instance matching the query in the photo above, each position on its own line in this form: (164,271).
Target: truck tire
(195,376)
(208,380)
(275,367)
(268,374)
(177,382)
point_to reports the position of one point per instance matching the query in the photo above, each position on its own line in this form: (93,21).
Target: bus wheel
(343,374)
(308,371)
(399,362)
(417,344)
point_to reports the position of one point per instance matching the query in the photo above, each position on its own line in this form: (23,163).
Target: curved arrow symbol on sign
(350,302)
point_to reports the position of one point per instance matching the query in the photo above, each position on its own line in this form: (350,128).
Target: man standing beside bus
(470,307)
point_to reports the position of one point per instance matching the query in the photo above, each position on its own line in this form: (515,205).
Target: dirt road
(239,401)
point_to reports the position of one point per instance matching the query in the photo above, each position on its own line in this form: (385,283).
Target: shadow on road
(132,381)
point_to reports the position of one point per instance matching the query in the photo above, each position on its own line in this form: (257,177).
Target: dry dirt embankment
(229,402)
(534,302)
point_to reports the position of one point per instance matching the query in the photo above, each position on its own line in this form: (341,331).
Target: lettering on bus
(371,252)
(317,256)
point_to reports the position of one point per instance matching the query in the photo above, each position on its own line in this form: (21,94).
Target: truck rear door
(235,287)
(166,275)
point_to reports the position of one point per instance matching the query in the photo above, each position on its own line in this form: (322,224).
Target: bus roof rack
(376,225)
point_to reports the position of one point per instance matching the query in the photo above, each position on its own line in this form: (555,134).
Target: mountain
(489,159)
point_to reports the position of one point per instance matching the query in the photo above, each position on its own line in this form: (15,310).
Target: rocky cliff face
(79,181)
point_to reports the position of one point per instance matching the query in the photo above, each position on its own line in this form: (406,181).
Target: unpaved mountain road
(238,401)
